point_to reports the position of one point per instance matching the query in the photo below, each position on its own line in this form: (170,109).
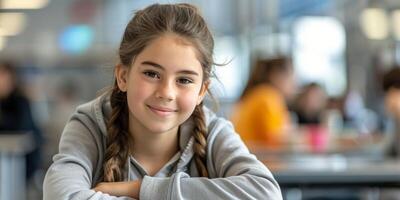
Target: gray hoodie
(234,172)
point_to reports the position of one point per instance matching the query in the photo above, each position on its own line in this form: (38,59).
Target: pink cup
(318,138)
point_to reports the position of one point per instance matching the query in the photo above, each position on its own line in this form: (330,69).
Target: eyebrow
(162,68)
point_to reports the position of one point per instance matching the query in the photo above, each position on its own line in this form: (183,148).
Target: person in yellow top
(261,115)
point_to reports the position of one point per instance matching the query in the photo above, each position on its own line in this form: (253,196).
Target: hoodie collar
(186,141)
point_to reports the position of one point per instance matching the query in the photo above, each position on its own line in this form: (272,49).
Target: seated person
(310,104)
(391,87)
(16,116)
(261,116)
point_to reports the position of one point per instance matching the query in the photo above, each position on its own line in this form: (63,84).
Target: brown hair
(264,69)
(148,24)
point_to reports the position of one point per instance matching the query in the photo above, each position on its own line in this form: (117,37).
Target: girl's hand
(128,188)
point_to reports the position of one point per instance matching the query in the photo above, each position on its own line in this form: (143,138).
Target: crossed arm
(127,188)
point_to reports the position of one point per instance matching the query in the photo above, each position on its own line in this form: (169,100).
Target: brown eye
(184,81)
(152,74)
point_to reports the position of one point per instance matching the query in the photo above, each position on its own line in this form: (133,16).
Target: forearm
(182,186)
(127,188)
(57,186)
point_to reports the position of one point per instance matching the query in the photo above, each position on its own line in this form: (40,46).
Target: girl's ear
(121,74)
(203,92)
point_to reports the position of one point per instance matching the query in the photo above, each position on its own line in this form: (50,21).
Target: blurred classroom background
(64,53)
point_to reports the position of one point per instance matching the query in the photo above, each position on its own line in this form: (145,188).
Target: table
(348,160)
(335,171)
(348,163)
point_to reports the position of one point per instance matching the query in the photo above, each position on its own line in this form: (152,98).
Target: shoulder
(223,141)
(17,99)
(265,90)
(217,126)
(261,94)
(98,107)
(90,106)
(94,113)
(85,132)
(266,95)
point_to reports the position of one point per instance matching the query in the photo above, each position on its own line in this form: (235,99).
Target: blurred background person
(391,88)
(310,104)
(261,116)
(16,116)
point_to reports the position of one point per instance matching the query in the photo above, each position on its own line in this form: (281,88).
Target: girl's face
(163,85)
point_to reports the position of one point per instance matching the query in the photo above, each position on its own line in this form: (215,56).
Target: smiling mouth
(161,111)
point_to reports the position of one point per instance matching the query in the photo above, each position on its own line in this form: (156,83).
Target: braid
(117,150)
(200,137)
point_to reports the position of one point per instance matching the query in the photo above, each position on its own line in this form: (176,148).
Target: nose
(166,90)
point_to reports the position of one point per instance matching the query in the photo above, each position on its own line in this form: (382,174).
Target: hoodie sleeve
(236,174)
(71,174)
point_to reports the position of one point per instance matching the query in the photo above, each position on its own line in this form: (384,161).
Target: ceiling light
(23,4)
(374,23)
(11,23)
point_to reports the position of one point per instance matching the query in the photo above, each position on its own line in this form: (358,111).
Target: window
(318,53)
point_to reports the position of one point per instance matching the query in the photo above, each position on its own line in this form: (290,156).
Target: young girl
(151,138)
